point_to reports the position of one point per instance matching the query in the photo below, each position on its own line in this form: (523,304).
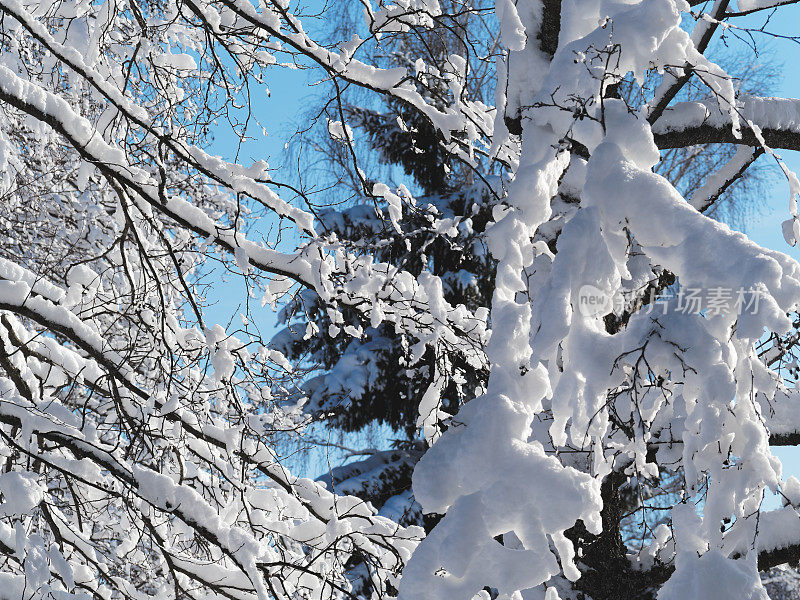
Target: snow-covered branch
(774,122)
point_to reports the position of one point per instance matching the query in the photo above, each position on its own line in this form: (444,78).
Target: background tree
(358,385)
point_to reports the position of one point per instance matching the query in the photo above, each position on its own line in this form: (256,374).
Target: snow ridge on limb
(778,120)
(465,472)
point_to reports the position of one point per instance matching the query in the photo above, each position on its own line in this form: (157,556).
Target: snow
(748,5)
(21,493)
(340,132)
(511,27)
(139,437)
(547,357)
(175,61)
(464,472)
(713,575)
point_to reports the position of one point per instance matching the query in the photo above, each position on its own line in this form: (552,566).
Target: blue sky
(765,228)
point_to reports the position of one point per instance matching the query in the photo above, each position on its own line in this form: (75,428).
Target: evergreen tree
(378,378)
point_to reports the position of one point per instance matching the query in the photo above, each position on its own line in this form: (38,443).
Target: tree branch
(710,134)
(785,439)
(551,27)
(717,183)
(694,123)
(666,92)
